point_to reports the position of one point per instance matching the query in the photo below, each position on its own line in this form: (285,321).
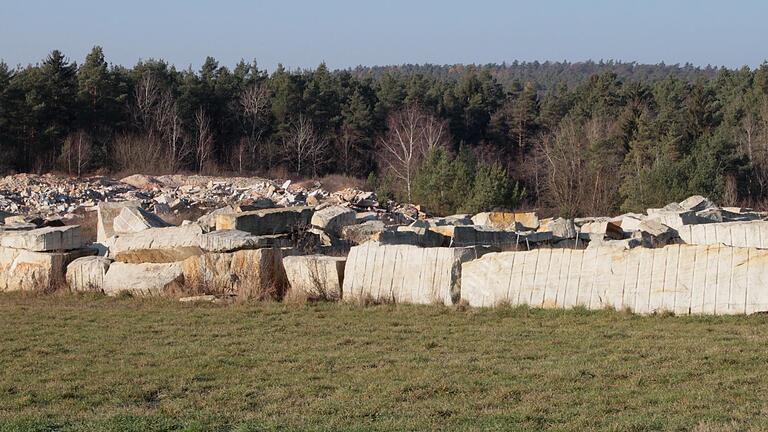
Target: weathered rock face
(156,238)
(106,214)
(23,270)
(359,234)
(559,227)
(314,277)
(332,219)
(144,279)
(233,240)
(507,220)
(696,203)
(405,274)
(249,274)
(599,229)
(135,219)
(87,273)
(265,222)
(684,279)
(156,256)
(44,239)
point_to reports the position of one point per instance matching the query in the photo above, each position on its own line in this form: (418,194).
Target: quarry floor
(94,363)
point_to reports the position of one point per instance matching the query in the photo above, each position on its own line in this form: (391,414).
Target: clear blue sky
(346,33)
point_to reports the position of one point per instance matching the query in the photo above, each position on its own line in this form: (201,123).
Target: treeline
(579,138)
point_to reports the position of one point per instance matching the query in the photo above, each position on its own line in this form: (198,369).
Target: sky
(347,33)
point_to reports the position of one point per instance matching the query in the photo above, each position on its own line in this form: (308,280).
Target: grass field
(93,363)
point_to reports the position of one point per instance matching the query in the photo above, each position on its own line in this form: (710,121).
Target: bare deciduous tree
(411,135)
(203,139)
(303,147)
(77,152)
(580,178)
(252,107)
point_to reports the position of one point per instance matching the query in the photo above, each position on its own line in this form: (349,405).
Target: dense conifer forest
(581,138)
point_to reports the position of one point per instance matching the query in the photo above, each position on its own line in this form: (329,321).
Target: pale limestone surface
(156,238)
(44,239)
(404,273)
(739,234)
(136,219)
(23,270)
(685,279)
(87,273)
(106,212)
(315,276)
(146,279)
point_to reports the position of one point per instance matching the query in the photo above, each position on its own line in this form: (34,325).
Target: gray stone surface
(359,234)
(136,219)
(44,239)
(144,279)
(333,218)
(233,240)
(265,222)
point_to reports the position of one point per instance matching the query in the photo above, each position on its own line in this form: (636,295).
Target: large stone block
(136,219)
(359,234)
(23,270)
(405,274)
(333,218)
(234,240)
(144,279)
(684,279)
(106,212)
(314,277)
(265,222)
(156,238)
(157,256)
(507,220)
(472,235)
(257,274)
(44,239)
(87,273)
(740,234)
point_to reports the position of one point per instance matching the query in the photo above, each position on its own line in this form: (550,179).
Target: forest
(577,138)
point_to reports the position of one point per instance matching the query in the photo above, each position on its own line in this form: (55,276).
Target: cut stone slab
(156,238)
(559,227)
(332,219)
(359,234)
(208,221)
(106,212)
(249,274)
(144,279)
(44,239)
(234,240)
(23,270)
(314,277)
(266,222)
(602,228)
(507,220)
(684,279)
(136,219)
(405,274)
(86,274)
(676,219)
(697,203)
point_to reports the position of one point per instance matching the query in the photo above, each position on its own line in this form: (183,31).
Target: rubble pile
(262,239)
